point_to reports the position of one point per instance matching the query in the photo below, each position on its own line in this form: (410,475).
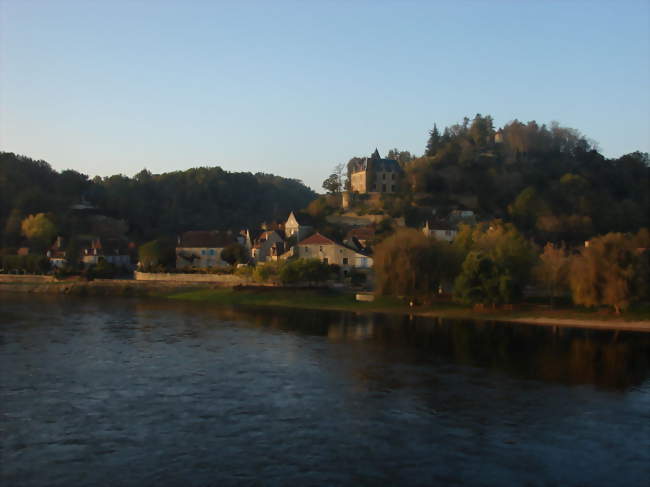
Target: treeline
(550,181)
(150,204)
(492,264)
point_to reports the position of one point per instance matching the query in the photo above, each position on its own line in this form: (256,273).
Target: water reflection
(162,393)
(607,359)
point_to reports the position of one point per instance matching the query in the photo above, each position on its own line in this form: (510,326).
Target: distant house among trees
(439,231)
(375,175)
(112,250)
(328,251)
(202,249)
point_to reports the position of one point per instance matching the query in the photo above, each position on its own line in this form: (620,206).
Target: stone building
(202,249)
(375,175)
(330,252)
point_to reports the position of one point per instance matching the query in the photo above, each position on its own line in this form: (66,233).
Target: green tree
(482,281)
(507,255)
(434,142)
(234,254)
(332,184)
(159,252)
(304,270)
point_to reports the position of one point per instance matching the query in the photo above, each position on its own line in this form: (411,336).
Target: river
(144,392)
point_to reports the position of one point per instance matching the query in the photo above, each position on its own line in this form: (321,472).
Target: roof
(317,239)
(215,238)
(375,162)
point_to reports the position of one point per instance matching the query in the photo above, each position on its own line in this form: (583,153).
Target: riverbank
(633,320)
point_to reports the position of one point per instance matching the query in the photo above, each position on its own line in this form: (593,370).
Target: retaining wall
(221,279)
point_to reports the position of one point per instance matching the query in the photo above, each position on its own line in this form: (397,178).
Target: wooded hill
(550,181)
(152,204)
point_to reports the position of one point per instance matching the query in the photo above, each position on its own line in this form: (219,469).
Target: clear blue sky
(294,88)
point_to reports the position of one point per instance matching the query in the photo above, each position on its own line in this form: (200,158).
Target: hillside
(151,204)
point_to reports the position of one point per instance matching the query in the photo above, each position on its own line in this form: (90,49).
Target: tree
(234,253)
(498,253)
(408,263)
(159,252)
(334,182)
(526,208)
(38,228)
(304,270)
(553,270)
(434,142)
(603,272)
(482,281)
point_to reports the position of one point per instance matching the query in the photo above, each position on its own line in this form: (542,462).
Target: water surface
(142,392)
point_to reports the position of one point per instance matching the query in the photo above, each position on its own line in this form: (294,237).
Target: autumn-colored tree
(604,271)
(38,228)
(408,263)
(552,270)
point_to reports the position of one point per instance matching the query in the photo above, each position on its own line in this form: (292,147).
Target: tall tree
(433,144)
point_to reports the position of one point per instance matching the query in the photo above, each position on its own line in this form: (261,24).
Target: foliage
(304,270)
(159,252)
(38,228)
(550,180)
(553,270)
(234,253)
(608,271)
(30,264)
(269,271)
(102,270)
(483,281)
(152,204)
(498,253)
(408,263)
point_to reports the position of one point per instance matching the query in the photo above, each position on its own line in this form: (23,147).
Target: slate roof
(376,163)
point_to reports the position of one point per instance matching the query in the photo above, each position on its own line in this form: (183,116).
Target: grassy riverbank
(635,319)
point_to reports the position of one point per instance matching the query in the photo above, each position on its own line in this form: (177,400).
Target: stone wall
(25,278)
(221,279)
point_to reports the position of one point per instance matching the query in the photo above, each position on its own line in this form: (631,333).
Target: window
(307,249)
(392,176)
(392,188)
(325,261)
(211,251)
(320,248)
(345,261)
(383,176)
(374,187)
(383,188)
(202,251)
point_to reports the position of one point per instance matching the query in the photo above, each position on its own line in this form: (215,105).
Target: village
(346,259)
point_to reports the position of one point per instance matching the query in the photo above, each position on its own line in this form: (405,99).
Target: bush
(28,264)
(304,270)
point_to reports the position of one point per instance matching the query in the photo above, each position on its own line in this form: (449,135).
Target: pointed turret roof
(375,155)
